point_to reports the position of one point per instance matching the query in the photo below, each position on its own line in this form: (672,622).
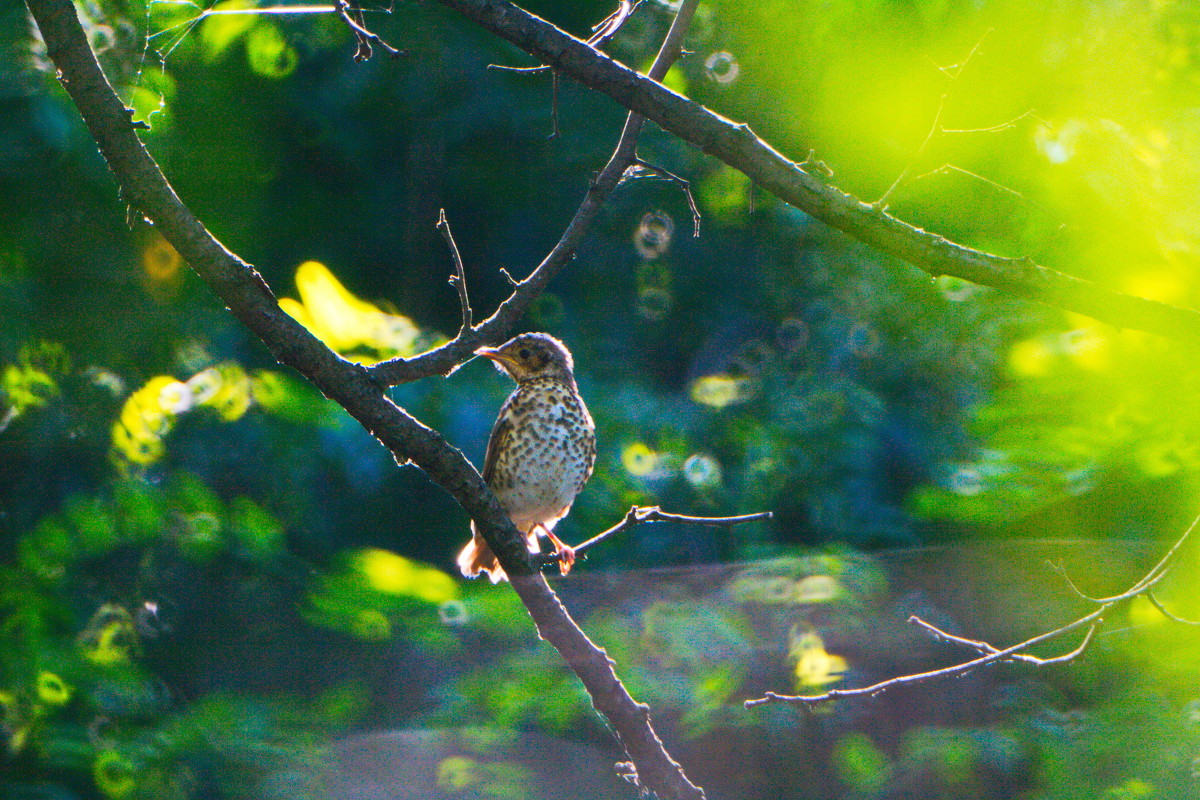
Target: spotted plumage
(541,450)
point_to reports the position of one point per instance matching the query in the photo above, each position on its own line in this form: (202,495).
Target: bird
(541,450)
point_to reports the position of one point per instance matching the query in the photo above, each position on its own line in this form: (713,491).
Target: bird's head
(532,355)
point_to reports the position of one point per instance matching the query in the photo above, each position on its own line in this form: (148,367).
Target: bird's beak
(489,352)
(493,354)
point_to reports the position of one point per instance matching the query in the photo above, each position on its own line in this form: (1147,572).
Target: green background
(205,621)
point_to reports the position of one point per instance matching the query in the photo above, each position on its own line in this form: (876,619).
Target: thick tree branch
(248,297)
(652,767)
(736,145)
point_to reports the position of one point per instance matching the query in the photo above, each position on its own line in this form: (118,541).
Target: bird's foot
(566,558)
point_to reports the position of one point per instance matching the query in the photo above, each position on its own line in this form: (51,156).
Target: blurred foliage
(207,570)
(348,325)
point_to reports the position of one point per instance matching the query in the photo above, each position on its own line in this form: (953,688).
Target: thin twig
(352,16)
(934,129)
(985,648)
(601,33)
(608,27)
(1163,610)
(459,278)
(1060,570)
(1154,575)
(527,70)
(992,654)
(554,82)
(638,515)
(955,70)
(956,670)
(683,183)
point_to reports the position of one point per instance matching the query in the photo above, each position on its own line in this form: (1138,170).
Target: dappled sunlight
(815,667)
(719,391)
(378,594)
(149,414)
(355,328)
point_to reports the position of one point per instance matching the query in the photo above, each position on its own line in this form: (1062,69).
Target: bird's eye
(524,354)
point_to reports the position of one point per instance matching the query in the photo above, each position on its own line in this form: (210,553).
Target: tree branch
(350,385)
(444,359)
(736,145)
(638,515)
(352,15)
(459,278)
(992,654)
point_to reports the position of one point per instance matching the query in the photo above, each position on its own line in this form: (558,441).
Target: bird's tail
(477,557)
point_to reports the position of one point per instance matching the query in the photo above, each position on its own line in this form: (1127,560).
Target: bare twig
(956,670)
(554,82)
(608,27)
(638,515)
(992,654)
(459,278)
(682,183)
(351,14)
(1163,610)
(601,33)
(934,129)
(527,70)
(987,649)
(1061,571)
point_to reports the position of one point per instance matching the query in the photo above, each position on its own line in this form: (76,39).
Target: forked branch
(350,385)
(352,15)
(444,359)
(1016,653)
(737,146)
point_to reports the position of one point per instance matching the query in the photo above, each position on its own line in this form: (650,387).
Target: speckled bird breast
(546,453)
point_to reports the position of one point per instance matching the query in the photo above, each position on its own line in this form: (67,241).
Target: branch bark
(736,145)
(350,385)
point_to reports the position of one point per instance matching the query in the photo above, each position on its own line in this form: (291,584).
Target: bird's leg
(564,552)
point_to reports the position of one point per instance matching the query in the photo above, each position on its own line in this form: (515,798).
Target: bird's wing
(498,439)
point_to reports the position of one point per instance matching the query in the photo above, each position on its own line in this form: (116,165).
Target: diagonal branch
(736,145)
(352,15)
(353,387)
(992,654)
(444,359)
(641,168)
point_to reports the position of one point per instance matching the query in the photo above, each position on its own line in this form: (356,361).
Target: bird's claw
(566,558)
